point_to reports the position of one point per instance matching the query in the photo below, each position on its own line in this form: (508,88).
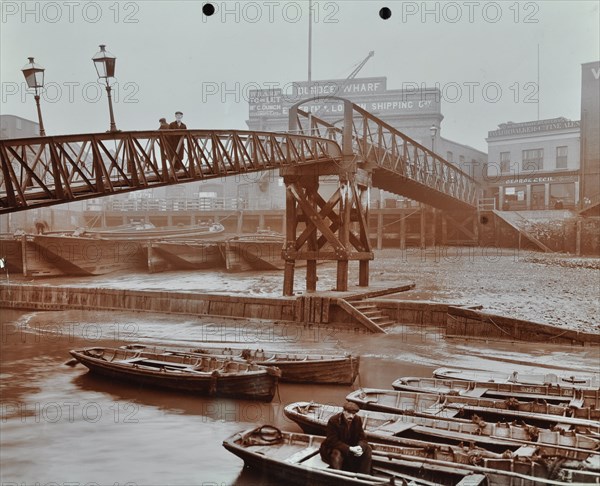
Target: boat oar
(465,467)
(71,362)
(406,477)
(547,444)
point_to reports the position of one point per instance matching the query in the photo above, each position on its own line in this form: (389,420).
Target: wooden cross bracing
(321,230)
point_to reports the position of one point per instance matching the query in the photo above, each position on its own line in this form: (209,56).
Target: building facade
(535,165)
(411,111)
(590,134)
(12,126)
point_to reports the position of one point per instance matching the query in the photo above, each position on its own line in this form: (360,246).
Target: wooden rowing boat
(147,232)
(410,430)
(565,380)
(210,376)
(331,369)
(550,393)
(584,420)
(298,367)
(294,458)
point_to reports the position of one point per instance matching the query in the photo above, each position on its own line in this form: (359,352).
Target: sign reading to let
(266,102)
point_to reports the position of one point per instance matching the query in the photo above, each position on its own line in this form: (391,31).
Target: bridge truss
(365,152)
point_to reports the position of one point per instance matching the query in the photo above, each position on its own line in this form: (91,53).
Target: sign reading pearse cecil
(266,102)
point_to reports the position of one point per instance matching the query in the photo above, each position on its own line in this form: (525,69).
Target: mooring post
(312,187)
(290,241)
(344,232)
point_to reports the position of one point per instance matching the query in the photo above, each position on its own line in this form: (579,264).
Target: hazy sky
(170,57)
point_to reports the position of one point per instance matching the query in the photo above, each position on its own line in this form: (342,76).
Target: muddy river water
(63,426)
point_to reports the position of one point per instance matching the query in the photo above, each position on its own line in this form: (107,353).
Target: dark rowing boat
(549,393)
(583,420)
(292,458)
(204,375)
(331,369)
(589,382)
(410,430)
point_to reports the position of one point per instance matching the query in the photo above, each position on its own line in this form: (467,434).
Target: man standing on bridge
(346,446)
(177,125)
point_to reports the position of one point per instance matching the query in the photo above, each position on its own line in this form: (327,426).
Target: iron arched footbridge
(43,171)
(398,163)
(364,152)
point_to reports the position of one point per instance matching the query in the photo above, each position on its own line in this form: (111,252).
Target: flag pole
(309,42)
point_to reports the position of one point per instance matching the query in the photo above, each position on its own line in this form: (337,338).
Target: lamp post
(34,76)
(104,62)
(433,130)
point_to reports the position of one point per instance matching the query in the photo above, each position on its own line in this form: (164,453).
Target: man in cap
(346,446)
(177,125)
(163,124)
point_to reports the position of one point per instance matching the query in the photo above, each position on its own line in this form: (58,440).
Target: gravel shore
(559,290)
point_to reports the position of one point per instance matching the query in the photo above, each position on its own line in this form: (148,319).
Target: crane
(353,74)
(340,87)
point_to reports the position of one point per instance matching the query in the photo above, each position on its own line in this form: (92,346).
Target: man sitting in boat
(346,446)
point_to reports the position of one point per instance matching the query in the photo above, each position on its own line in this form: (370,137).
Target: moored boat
(258,251)
(411,430)
(22,256)
(183,255)
(78,255)
(580,381)
(210,376)
(294,458)
(144,232)
(584,420)
(332,369)
(550,393)
(298,367)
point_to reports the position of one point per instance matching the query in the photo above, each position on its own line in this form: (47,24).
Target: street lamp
(433,130)
(104,62)
(34,76)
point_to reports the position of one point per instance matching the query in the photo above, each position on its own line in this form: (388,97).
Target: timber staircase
(507,217)
(367,314)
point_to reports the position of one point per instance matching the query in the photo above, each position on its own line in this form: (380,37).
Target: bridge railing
(384,146)
(47,170)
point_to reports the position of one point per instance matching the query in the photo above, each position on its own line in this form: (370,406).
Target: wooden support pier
(323,230)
